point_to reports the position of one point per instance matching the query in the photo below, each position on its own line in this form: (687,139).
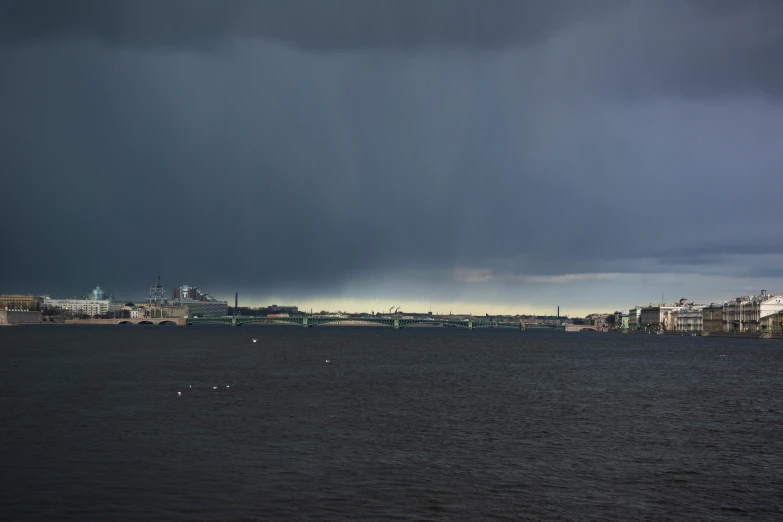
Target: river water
(415,424)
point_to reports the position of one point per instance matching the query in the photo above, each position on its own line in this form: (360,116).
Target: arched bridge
(583,328)
(395,322)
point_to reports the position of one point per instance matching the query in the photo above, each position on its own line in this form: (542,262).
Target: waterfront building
(89,307)
(744,314)
(615,321)
(673,319)
(21,302)
(96,302)
(772,323)
(624,320)
(191,301)
(653,318)
(712,318)
(634,318)
(203,308)
(174,310)
(690,319)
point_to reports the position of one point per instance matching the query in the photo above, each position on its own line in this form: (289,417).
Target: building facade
(712,318)
(204,308)
(89,307)
(186,293)
(634,318)
(21,302)
(768,312)
(190,293)
(745,314)
(690,319)
(654,318)
(773,323)
(174,311)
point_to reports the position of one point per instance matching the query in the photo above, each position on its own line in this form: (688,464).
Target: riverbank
(731,335)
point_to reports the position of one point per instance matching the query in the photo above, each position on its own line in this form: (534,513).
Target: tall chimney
(558,311)
(236,303)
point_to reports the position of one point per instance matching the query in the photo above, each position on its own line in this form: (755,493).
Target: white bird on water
(227,386)
(255,340)
(179,393)
(327,360)
(214,387)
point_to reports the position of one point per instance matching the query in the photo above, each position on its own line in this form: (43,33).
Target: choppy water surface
(425,424)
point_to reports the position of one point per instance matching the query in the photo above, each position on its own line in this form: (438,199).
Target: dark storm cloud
(510,141)
(308,24)
(632,49)
(696,48)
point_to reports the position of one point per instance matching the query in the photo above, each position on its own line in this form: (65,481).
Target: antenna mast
(156,299)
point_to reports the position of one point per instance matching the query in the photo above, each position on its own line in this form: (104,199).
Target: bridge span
(316,320)
(394,322)
(179,321)
(584,328)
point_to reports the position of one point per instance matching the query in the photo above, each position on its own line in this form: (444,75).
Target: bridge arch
(584,328)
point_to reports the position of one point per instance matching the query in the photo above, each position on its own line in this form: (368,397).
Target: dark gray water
(424,424)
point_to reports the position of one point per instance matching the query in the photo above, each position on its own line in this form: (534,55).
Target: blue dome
(98,293)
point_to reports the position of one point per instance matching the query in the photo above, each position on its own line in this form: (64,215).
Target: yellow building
(20,302)
(712,318)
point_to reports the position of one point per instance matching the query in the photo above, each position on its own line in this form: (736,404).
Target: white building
(90,307)
(690,319)
(747,314)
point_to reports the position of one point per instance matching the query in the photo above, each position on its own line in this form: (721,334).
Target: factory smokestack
(558,311)
(236,303)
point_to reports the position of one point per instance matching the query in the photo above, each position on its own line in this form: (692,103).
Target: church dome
(98,293)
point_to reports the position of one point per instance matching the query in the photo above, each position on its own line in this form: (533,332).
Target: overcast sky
(484,156)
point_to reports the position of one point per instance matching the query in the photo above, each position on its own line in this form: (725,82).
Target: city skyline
(493,157)
(437,307)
